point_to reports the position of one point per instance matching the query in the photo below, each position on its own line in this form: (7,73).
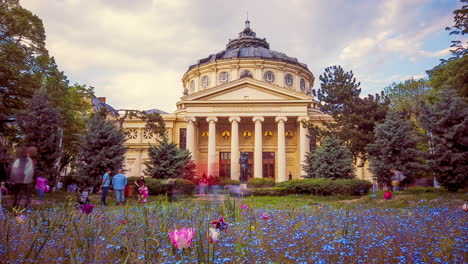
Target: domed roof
(247,45)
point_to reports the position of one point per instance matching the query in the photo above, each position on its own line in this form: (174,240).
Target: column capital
(281,118)
(212,118)
(234,118)
(258,118)
(190,119)
(303,119)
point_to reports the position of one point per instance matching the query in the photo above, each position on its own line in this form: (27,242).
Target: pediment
(247,89)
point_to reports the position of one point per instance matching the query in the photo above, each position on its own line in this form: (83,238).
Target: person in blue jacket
(118,182)
(105,186)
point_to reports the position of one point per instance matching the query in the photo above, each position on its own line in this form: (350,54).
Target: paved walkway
(210,197)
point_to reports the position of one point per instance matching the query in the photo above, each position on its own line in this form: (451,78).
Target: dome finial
(247,22)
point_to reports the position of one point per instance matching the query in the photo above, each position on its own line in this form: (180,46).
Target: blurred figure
(41,186)
(203,183)
(3,189)
(140,182)
(21,173)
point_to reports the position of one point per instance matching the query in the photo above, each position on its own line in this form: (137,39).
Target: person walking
(119,182)
(21,173)
(105,186)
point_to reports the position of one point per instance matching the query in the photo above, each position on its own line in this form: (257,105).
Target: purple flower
(265,216)
(220,224)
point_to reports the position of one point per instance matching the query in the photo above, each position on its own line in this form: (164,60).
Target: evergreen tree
(101,149)
(447,125)
(332,160)
(395,148)
(308,165)
(167,161)
(40,124)
(354,117)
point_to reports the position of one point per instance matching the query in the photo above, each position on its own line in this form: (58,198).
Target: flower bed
(309,234)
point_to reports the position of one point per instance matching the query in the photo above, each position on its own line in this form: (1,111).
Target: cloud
(135,52)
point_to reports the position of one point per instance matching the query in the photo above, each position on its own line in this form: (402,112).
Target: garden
(416,226)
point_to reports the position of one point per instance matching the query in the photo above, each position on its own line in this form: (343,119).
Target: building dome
(247,45)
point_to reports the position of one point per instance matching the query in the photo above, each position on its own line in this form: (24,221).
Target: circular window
(302,84)
(205,81)
(192,85)
(269,76)
(223,77)
(289,79)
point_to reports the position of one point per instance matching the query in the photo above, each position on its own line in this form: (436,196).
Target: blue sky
(135,52)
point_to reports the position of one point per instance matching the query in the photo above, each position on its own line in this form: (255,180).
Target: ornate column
(303,142)
(191,135)
(258,154)
(281,148)
(212,145)
(235,169)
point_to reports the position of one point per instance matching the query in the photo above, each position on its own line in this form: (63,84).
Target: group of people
(119,183)
(21,173)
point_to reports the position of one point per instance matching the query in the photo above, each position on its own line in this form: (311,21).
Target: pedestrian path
(210,197)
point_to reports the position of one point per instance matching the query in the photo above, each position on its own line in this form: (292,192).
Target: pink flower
(244,207)
(183,238)
(465,207)
(87,208)
(265,216)
(220,224)
(213,235)
(21,219)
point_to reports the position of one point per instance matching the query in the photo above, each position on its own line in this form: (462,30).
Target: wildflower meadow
(237,231)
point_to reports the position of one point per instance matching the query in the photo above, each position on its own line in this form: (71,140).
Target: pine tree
(332,160)
(395,148)
(101,149)
(447,125)
(308,165)
(40,124)
(167,161)
(354,117)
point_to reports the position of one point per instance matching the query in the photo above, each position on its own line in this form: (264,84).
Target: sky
(135,53)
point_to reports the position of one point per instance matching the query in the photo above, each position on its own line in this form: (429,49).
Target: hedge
(260,183)
(156,186)
(225,182)
(326,187)
(184,186)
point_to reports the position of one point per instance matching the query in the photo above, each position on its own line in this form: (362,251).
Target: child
(41,185)
(143,193)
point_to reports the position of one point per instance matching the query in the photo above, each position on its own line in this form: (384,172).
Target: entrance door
(269,165)
(225,165)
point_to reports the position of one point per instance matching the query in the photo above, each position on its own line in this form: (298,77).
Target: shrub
(132,180)
(225,182)
(184,186)
(417,190)
(260,183)
(275,191)
(326,187)
(156,186)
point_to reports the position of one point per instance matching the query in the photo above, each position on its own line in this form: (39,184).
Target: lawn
(411,228)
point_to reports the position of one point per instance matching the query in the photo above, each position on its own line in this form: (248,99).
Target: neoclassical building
(246,98)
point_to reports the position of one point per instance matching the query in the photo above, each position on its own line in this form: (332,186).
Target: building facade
(246,98)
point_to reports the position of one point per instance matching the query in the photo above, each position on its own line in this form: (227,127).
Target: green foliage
(101,149)
(447,126)
(228,182)
(332,160)
(40,124)
(326,187)
(418,190)
(405,97)
(132,180)
(22,43)
(260,182)
(395,148)
(275,191)
(450,74)
(167,161)
(354,117)
(460,27)
(156,186)
(184,186)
